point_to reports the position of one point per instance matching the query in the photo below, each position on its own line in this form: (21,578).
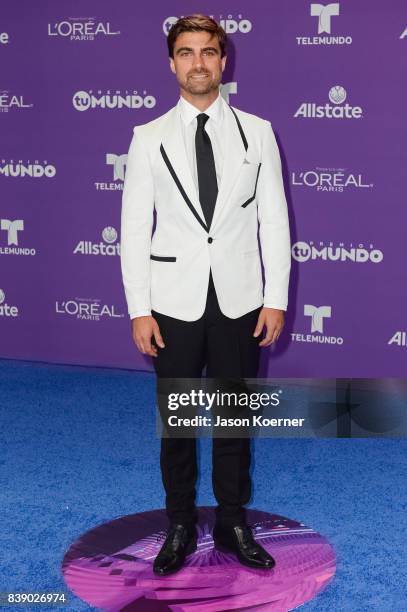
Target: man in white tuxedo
(194,287)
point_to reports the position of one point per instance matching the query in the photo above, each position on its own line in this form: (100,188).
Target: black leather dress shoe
(179,542)
(239,539)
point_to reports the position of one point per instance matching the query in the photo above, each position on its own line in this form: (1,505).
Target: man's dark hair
(196,23)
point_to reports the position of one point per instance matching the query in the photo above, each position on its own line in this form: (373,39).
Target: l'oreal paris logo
(88,309)
(11,101)
(80,28)
(328,179)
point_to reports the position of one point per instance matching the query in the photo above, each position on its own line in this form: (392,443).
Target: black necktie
(208,186)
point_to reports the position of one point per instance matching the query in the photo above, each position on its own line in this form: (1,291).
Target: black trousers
(228,349)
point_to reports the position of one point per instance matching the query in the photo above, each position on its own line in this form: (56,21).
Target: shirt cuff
(140,313)
(277,305)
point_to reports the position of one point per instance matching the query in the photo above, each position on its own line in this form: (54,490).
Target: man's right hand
(144,328)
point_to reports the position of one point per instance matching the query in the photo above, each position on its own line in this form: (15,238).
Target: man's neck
(201,102)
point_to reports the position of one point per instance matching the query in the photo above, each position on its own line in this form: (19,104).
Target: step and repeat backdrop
(76,77)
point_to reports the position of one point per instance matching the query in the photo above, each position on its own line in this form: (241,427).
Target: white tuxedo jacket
(169,270)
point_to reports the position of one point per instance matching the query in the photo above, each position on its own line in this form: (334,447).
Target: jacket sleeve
(274,229)
(137,216)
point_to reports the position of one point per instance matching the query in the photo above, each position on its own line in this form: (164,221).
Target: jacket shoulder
(251,120)
(154,125)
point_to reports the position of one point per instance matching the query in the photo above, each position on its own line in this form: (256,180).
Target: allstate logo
(109,235)
(301,251)
(337,94)
(334,109)
(81,100)
(168,23)
(5,309)
(109,246)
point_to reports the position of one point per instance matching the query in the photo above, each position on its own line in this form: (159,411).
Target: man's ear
(223,62)
(172,65)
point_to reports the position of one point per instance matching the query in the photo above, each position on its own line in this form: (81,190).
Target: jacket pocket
(162,258)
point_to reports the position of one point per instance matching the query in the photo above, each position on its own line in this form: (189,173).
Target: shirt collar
(188,111)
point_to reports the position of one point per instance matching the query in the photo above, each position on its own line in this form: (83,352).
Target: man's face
(197,62)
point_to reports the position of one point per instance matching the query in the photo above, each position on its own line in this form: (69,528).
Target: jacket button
(210,240)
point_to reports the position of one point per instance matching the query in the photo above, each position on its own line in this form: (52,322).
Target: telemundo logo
(22,169)
(306,251)
(324,14)
(317,316)
(12,227)
(84,100)
(229,24)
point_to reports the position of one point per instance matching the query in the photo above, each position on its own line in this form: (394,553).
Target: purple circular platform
(110,567)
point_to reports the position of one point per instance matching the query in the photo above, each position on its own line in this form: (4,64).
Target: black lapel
(182,190)
(245,146)
(239,125)
(178,182)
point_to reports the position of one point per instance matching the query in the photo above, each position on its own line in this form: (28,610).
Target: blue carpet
(79,448)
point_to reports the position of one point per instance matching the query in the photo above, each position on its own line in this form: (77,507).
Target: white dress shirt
(213,127)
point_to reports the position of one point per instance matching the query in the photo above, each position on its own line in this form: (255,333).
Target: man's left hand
(273,319)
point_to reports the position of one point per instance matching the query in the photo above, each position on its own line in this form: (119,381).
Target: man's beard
(195,86)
